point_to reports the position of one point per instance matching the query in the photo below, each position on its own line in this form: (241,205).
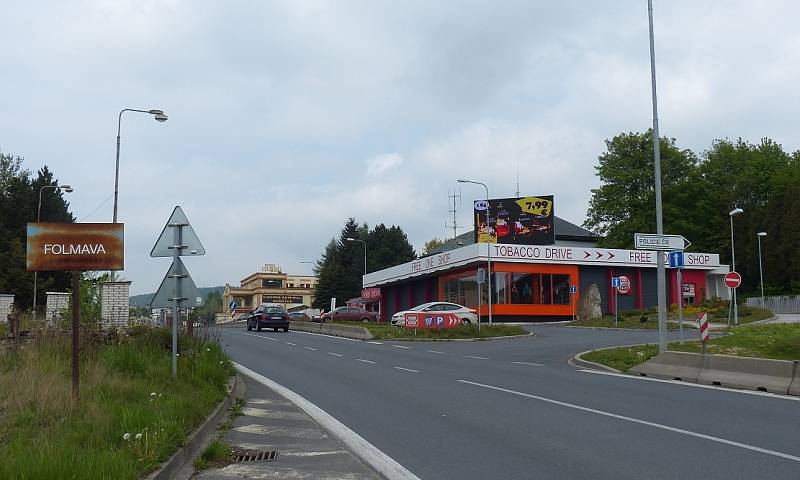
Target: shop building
(541,282)
(270,285)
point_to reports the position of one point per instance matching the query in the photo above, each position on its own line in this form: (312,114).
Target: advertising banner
(516,221)
(54,247)
(431,320)
(281,298)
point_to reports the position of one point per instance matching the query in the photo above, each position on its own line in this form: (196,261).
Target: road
(515,409)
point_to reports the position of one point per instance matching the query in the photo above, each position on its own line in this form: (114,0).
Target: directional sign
(190,244)
(233,305)
(615,282)
(676,259)
(189,294)
(654,241)
(733,279)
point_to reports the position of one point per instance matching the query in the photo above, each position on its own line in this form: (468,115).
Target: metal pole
(489,257)
(616,307)
(680,303)
(36,273)
(176,295)
(760,270)
(480,287)
(660,275)
(76,313)
(733,290)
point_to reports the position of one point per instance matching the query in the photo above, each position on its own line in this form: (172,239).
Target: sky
(288,117)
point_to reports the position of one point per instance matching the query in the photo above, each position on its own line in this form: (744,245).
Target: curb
(171,468)
(507,337)
(578,360)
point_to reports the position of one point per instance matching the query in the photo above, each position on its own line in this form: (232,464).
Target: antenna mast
(456,198)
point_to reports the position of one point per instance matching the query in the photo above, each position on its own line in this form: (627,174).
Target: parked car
(268,315)
(349,314)
(466,314)
(299,316)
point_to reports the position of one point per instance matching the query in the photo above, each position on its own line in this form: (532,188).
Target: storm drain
(256,457)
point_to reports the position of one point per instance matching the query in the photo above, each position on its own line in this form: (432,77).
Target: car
(299,317)
(466,314)
(268,315)
(349,314)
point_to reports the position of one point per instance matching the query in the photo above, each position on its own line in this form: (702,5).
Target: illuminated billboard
(516,221)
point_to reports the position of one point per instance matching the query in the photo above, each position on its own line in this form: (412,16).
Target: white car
(466,314)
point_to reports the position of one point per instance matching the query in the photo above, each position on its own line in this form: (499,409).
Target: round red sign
(733,279)
(624,285)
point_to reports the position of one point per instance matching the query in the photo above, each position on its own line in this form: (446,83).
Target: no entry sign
(733,279)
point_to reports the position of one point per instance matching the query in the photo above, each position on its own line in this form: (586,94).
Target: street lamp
(735,211)
(760,270)
(488,247)
(66,188)
(351,239)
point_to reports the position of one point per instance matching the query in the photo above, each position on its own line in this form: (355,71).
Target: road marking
(289,343)
(365,361)
(529,363)
(400,346)
(310,348)
(329,336)
(696,385)
(639,421)
(373,457)
(434,351)
(477,358)
(254,335)
(334,354)
(376,343)
(406,369)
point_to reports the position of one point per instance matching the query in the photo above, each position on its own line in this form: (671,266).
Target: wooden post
(76,312)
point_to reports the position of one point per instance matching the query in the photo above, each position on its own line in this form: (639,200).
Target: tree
(387,247)
(431,245)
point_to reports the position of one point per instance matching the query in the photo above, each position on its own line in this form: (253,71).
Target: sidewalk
(304,449)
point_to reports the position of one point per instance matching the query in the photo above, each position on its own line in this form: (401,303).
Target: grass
(633,319)
(775,341)
(217,452)
(130,416)
(382,331)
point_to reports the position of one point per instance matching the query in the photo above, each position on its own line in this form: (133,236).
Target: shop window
(561,289)
(271,283)
(500,288)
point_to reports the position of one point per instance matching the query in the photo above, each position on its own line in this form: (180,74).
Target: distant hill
(144,299)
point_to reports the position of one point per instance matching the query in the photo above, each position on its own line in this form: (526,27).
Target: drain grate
(265,456)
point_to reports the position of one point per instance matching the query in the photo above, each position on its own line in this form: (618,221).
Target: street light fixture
(732,213)
(67,189)
(760,270)
(488,248)
(351,239)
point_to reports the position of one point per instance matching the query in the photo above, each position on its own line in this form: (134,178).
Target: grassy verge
(635,322)
(131,414)
(775,341)
(382,331)
(216,453)
(628,320)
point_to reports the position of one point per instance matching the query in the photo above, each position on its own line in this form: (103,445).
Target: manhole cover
(256,456)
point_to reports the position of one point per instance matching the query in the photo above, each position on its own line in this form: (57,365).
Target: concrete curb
(346,331)
(171,468)
(506,337)
(671,366)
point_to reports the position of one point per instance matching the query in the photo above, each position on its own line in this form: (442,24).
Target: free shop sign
(432,321)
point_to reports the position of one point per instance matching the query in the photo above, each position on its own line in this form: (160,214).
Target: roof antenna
(517,177)
(456,198)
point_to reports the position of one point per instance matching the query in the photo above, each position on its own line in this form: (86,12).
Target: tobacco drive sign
(55,247)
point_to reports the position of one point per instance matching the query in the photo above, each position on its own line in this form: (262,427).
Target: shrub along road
(515,409)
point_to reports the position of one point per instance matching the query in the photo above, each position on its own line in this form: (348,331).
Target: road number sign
(733,279)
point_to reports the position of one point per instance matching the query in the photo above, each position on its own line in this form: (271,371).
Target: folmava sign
(75,247)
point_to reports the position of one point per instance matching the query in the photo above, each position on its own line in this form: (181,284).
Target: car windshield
(273,310)
(420,307)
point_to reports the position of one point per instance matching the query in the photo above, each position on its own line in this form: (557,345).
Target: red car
(349,314)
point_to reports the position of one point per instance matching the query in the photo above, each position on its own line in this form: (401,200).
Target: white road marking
(329,336)
(376,343)
(334,354)
(477,358)
(254,335)
(310,348)
(400,346)
(406,369)
(434,351)
(529,363)
(640,422)
(289,343)
(365,361)
(696,385)
(375,458)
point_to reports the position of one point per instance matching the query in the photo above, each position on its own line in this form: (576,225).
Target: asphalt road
(514,409)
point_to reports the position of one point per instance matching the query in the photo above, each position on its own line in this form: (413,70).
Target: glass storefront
(513,288)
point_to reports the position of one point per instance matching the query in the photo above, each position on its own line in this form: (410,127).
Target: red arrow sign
(733,279)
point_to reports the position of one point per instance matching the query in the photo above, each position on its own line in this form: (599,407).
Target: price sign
(535,206)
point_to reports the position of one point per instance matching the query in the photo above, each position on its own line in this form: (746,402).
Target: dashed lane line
(406,369)
(335,354)
(529,363)
(434,351)
(290,343)
(476,358)
(400,346)
(365,361)
(376,343)
(310,348)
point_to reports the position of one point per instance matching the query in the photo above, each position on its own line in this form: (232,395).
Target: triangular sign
(190,244)
(165,293)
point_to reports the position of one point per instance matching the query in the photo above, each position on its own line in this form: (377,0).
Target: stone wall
(6,301)
(115,306)
(56,302)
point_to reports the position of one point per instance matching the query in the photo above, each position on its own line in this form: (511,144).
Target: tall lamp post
(351,239)
(732,213)
(488,248)
(160,117)
(761,270)
(67,189)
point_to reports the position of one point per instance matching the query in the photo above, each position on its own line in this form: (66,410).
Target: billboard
(516,221)
(56,247)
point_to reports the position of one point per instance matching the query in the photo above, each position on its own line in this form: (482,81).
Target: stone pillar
(6,301)
(115,306)
(56,303)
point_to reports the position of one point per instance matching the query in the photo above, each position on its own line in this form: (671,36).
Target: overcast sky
(286,118)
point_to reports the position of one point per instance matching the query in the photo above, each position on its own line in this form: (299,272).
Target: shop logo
(481,205)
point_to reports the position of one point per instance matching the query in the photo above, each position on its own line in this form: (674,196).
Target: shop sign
(372,293)
(278,298)
(55,247)
(432,321)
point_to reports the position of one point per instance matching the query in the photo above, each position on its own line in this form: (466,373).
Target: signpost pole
(616,307)
(76,312)
(680,304)
(176,295)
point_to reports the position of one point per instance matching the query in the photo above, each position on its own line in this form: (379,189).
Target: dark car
(299,317)
(268,316)
(349,314)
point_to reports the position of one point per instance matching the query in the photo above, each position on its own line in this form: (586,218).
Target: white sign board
(653,241)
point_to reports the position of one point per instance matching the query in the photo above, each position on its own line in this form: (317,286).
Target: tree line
(699,191)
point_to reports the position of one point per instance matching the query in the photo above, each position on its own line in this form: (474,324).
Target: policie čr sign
(75,247)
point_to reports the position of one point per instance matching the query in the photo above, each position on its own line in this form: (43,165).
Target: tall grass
(126,388)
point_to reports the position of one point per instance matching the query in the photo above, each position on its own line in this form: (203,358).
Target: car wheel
(285,329)
(364,320)
(249,328)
